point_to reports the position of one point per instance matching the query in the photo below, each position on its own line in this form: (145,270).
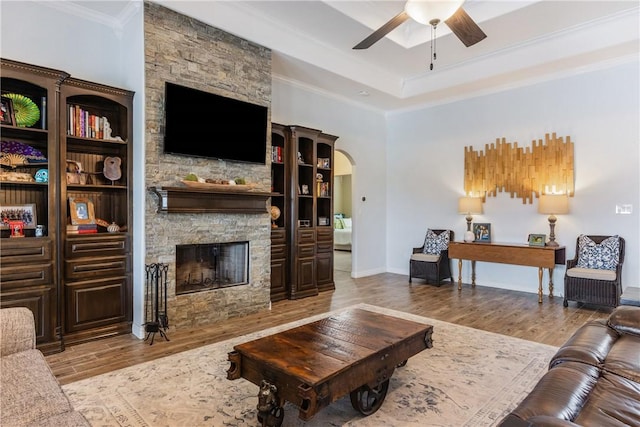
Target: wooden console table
(509,253)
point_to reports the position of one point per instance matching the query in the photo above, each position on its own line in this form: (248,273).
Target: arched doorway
(342,209)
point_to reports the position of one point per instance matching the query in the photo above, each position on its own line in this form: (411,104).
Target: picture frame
(537,239)
(81,211)
(25,213)
(482,232)
(7,113)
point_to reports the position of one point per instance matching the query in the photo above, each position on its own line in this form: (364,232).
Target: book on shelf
(82,228)
(94,231)
(85,125)
(276,154)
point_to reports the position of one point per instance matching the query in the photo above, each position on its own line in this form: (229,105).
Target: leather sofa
(30,395)
(593,379)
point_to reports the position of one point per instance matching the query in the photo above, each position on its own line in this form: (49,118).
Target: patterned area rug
(468,378)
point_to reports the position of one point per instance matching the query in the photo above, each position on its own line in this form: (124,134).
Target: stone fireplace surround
(183,50)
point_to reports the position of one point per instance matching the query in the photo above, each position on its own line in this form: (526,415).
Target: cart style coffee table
(355,351)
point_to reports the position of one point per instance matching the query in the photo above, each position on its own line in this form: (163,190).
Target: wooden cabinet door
(324,271)
(278,279)
(305,280)
(95,303)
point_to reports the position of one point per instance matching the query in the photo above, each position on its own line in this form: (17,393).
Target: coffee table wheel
(403,363)
(368,400)
(272,418)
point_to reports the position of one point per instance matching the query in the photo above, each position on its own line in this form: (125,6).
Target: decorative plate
(217,187)
(16,147)
(26,111)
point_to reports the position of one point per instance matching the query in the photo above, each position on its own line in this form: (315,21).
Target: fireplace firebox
(202,267)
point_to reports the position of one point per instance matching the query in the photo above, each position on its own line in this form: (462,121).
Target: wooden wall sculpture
(523,172)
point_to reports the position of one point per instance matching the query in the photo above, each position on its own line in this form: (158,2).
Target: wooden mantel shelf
(197,200)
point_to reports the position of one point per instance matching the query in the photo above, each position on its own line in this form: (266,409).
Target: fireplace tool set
(155,306)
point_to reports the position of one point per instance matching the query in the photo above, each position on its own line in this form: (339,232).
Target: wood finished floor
(517,314)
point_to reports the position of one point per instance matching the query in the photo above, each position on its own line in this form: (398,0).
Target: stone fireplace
(209,266)
(185,51)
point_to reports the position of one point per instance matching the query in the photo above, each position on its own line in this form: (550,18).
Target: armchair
(431,260)
(595,274)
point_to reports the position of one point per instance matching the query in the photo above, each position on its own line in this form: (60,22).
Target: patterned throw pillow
(435,243)
(602,256)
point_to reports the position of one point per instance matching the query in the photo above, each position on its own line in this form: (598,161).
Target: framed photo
(482,231)
(26,214)
(537,239)
(7,114)
(81,211)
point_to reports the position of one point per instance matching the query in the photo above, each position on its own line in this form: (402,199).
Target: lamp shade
(469,205)
(553,204)
(424,11)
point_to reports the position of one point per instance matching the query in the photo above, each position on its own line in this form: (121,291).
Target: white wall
(133,57)
(600,112)
(42,34)
(362,136)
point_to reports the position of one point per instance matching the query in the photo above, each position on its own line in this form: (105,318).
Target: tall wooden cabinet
(280,184)
(97,267)
(77,285)
(307,206)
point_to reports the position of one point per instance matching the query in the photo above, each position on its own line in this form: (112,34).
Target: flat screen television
(203,124)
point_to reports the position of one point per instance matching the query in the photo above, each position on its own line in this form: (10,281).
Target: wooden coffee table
(355,351)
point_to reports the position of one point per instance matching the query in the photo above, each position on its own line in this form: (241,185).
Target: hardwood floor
(517,314)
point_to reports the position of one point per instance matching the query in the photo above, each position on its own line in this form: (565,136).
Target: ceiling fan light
(423,11)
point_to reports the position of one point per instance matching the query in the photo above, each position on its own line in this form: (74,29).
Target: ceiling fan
(432,12)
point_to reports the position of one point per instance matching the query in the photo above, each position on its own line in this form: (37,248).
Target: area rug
(468,378)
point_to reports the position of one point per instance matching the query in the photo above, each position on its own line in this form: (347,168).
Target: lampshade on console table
(469,206)
(552,205)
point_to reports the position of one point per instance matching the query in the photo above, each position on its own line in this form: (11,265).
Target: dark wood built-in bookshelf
(78,285)
(302,243)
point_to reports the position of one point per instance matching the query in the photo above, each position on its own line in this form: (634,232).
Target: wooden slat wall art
(523,172)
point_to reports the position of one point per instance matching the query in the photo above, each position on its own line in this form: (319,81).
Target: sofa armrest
(625,319)
(17,330)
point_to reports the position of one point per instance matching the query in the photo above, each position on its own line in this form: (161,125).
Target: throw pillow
(435,243)
(339,224)
(602,256)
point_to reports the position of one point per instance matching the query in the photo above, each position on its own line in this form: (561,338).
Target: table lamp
(469,206)
(553,204)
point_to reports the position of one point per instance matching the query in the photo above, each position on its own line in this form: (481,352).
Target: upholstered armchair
(431,260)
(594,276)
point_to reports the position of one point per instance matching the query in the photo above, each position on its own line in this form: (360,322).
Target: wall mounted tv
(203,124)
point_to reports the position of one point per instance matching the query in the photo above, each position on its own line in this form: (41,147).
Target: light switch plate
(624,209)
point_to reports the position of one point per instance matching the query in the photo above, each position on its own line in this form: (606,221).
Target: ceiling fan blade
(382,31)
(465,28)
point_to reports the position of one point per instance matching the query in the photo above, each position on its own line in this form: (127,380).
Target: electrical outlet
(624,209)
